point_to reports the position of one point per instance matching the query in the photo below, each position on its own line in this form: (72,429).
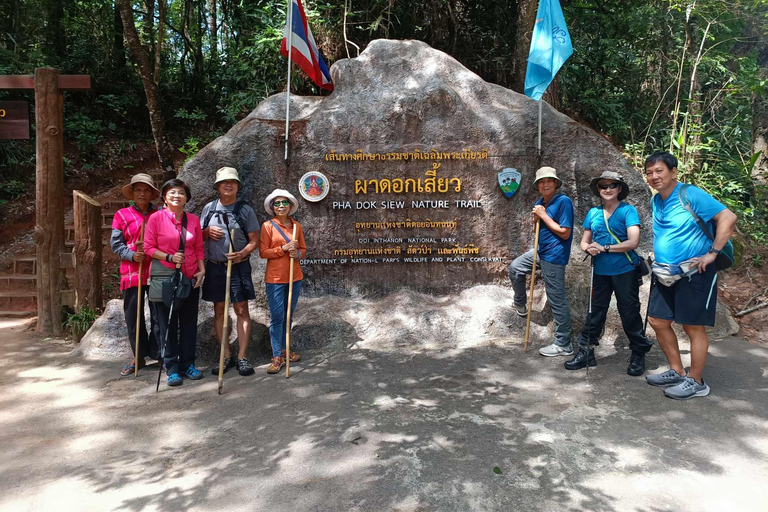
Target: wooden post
(49,187)
(87,251)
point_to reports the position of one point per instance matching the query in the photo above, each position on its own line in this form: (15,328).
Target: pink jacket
(163,233)
(128,221)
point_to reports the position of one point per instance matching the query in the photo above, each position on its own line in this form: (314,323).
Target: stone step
(22,313)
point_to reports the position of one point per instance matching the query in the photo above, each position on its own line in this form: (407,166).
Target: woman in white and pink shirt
(162,239)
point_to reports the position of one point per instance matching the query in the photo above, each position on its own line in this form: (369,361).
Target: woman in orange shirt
(278,247)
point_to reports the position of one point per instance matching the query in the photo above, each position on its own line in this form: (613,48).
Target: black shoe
(584,358)
(636,364)
(245,367)
(228,363)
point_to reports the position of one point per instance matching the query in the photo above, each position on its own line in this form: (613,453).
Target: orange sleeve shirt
(278,261)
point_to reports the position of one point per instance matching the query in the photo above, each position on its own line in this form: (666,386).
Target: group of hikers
(161,240)
(690,230)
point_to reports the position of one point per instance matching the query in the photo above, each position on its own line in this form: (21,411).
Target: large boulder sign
(413,157)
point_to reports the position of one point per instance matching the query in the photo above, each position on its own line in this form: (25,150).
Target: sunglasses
(608,186)
(281,203)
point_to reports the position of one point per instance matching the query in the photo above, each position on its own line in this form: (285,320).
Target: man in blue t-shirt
(690,301)
(555,214)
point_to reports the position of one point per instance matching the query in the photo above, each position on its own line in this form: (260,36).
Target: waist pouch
(670,274)
(162,283)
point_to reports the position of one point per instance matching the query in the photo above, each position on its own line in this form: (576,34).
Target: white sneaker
(556,350)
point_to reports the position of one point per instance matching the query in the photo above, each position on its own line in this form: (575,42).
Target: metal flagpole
(288,86)
(538,146)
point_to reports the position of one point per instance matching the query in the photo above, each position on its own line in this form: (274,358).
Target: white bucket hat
(547,172)
(226,173)
(278,192)
(146,179)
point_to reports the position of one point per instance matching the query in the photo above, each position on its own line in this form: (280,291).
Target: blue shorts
(240,286)
(687,302)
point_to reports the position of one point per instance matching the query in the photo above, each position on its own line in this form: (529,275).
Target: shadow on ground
(406,430)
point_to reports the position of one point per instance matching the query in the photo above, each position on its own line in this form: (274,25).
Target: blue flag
(550,48)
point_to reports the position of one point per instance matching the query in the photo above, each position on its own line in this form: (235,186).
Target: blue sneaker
(687,389)
(193,373)
(175,380)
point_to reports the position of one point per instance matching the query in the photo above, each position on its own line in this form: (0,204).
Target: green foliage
(79,323)
(190,148)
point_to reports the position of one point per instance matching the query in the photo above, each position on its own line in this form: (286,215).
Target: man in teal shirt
(690,301)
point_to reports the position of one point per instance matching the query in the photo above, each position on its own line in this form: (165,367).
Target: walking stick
(224,331)
(533,281)
(650,289)
(177,280)
(139,309)
(288,315)
(589,309)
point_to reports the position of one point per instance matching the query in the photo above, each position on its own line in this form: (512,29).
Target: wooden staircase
(18,289)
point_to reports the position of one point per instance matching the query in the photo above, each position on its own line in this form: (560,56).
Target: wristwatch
(607,248)
(168,258)
(712,249)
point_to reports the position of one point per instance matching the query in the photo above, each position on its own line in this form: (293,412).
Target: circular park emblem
(314,186)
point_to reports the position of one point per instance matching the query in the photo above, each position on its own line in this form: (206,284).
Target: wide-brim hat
(226,173)
(127,190)
(547,172)
(613,176)
(278,192)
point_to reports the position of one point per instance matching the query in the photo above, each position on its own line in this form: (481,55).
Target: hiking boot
(636,364)
(276,365)
(228,363)
(585,357)
(687,389)
(193,373)
(174,379)
(295,356)
(521,310)
(668,378)
(556,350)
(245,367)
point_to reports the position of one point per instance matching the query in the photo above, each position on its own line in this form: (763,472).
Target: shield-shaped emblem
(509,181)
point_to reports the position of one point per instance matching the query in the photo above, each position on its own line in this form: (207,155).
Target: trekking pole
(224,331)
(139,309)
(650,289)
(288,315)
(533,281)
(177,280)
(589,308)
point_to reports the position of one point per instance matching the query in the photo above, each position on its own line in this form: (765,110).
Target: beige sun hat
(139,178)
(614,176)
(278,192)
(226,173)
(547,172)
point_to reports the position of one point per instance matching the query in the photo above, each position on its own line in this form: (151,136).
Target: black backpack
(223,213)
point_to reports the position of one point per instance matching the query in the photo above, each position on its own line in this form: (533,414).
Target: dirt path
(376,431)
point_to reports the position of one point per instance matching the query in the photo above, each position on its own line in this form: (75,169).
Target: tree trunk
(87,252)
(760,121)
(118,59)
(526,17)
(160,34)
(148,25)
(150,89)
(213,35)
(49,186)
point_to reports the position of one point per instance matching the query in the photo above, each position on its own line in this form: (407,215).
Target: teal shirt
(624,216)
(676,236)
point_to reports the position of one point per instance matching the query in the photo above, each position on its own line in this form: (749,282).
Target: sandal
(276,365)
(295,356)
(130,368)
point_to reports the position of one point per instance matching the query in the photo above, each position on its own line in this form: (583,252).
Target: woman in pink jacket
(162,240)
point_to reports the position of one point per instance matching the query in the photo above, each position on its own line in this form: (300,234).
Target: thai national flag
(305,51)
